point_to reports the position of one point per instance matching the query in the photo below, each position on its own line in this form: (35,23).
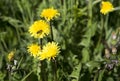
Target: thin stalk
(106,26)
(9,76)
(64,10)
(51,30)
(116,8)
(98,43)
(101,74)
(43,72)
(102,23)
(20,62)
(95,2)
(40,42)
(98,74)
(17,34)
(4,44)
(90,13)
(103,30)
(27,75)
(54,66)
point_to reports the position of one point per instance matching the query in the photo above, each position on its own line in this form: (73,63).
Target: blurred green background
(82,32)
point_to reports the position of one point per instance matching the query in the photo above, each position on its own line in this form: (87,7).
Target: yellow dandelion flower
(106,7)
(11,55)
(50,51)
(34,50)
(49,13)
(39,29)
(43,55)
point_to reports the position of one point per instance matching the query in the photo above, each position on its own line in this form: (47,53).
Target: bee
(39,32)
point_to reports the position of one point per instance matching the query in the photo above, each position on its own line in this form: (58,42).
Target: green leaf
(85,55)
(101,73)
(92,65)
(110,79)
(76,72)
(85,42)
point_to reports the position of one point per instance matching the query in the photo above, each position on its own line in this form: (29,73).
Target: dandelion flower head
(34,50)
(39,29)
(50,51)
(49,13)
(11,55)
(106,7)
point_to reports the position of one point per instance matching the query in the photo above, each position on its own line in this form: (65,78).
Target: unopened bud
(114,50)
(107,53)
(15,62)
(114,36)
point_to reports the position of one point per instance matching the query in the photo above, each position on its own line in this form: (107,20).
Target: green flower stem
(54,62)
(90,13)
(103,29)
(96,1)
(4,44)
(116,8)
(43,72)
(20,62)
(51,30)
(101,38)
(106,26)
(102,23)
(40,42)
(27,75)
(10,76)
(54,65)
(101,74)
(101,33)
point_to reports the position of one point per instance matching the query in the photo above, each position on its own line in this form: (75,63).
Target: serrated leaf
(92,65)
(85,55)
(76,72)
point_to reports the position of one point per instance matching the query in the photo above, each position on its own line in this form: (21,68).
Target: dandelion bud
(11,55)
(114,36)
(15,62)
(114,50)
(107,53)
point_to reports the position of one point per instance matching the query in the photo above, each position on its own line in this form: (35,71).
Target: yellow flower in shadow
(11,55)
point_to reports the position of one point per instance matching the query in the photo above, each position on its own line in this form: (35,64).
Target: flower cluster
(49,51)
(40,29)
